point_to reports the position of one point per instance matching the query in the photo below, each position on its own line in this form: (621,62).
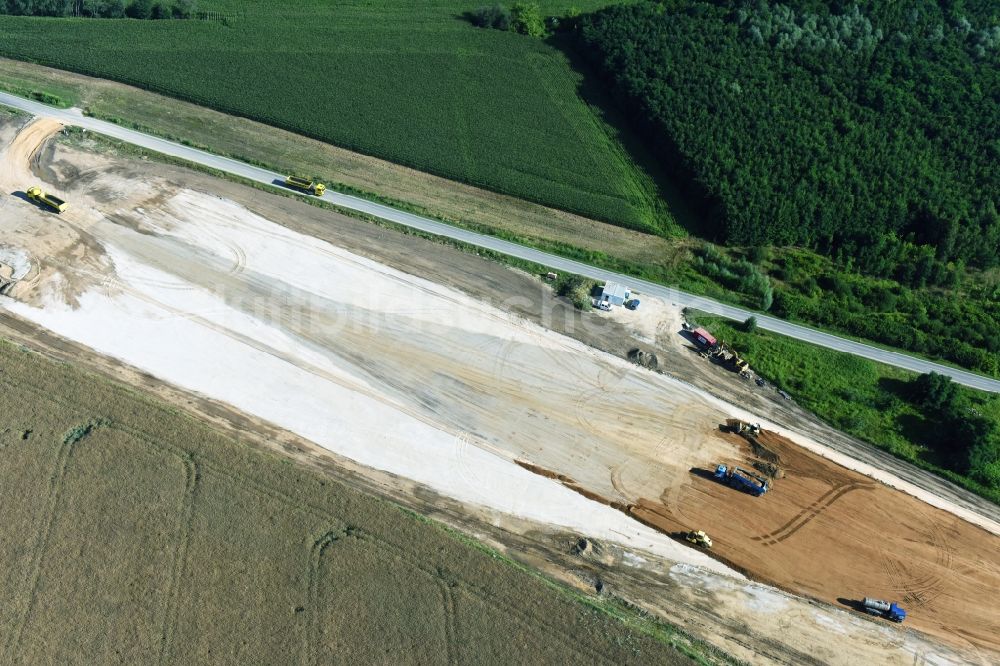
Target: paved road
(75,117)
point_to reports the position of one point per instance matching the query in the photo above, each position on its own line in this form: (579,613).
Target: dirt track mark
(527,620)
(30,585)
(451,637)
(192,475)
(15,167)
(310,633)
(810,513)
(384,550)
(918,583)
(616,480)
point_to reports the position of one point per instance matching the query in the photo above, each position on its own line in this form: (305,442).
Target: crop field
(416,85)
(134,534)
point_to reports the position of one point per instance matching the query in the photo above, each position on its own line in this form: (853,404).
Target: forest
(866,131)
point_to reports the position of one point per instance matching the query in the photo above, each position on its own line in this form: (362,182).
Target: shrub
(767,298)
(491,16)
(526,18)
(934,391)
(577,289)
(984,462)
(750,325)
(757,254)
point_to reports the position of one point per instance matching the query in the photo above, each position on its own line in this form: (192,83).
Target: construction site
(444,377)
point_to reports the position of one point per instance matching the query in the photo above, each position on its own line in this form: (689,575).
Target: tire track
(527,620)
(929,581)
(451,638)
(810,513)
(33,575)
(385,551)
(192,476)
(310,635)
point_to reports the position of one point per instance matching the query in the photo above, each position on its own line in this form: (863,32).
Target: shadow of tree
(676,189)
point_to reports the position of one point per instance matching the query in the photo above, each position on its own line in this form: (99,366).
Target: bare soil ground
(839,536)
(619,432)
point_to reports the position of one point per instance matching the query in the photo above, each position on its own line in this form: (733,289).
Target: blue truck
(741,479)
(879,608)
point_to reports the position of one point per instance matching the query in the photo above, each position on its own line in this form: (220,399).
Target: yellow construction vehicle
(698,538)
(305,185)
(35,193)
(742,427)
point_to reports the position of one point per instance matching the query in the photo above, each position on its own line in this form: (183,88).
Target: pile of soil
(768,469)
(762,451)
(644,358)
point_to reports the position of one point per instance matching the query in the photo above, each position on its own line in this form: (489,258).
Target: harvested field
(419,380)
(133,534)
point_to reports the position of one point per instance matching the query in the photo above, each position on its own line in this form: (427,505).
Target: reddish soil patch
(838,536)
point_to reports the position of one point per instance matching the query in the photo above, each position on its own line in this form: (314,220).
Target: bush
(984,461)
(526,18)
(491,16)
(933,391)
(740,275)
(750,325)
(140,9)
(757,254)
(577,289)
(767,298)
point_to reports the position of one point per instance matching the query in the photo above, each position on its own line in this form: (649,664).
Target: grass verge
(866,399)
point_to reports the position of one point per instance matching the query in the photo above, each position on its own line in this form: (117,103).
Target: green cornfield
(413,83)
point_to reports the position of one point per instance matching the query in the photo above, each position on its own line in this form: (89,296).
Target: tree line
(138,9)
(868,131)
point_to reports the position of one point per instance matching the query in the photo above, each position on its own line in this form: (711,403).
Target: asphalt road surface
(235,167)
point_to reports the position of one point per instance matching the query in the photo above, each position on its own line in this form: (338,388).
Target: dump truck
(55,203)
(741,479)
(879,608)
(305,185)
(698,538)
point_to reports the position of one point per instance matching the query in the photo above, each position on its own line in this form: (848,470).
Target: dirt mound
(768,469)
(644,358)
(763,452)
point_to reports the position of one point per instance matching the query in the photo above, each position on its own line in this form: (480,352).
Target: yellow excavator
(35,193)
